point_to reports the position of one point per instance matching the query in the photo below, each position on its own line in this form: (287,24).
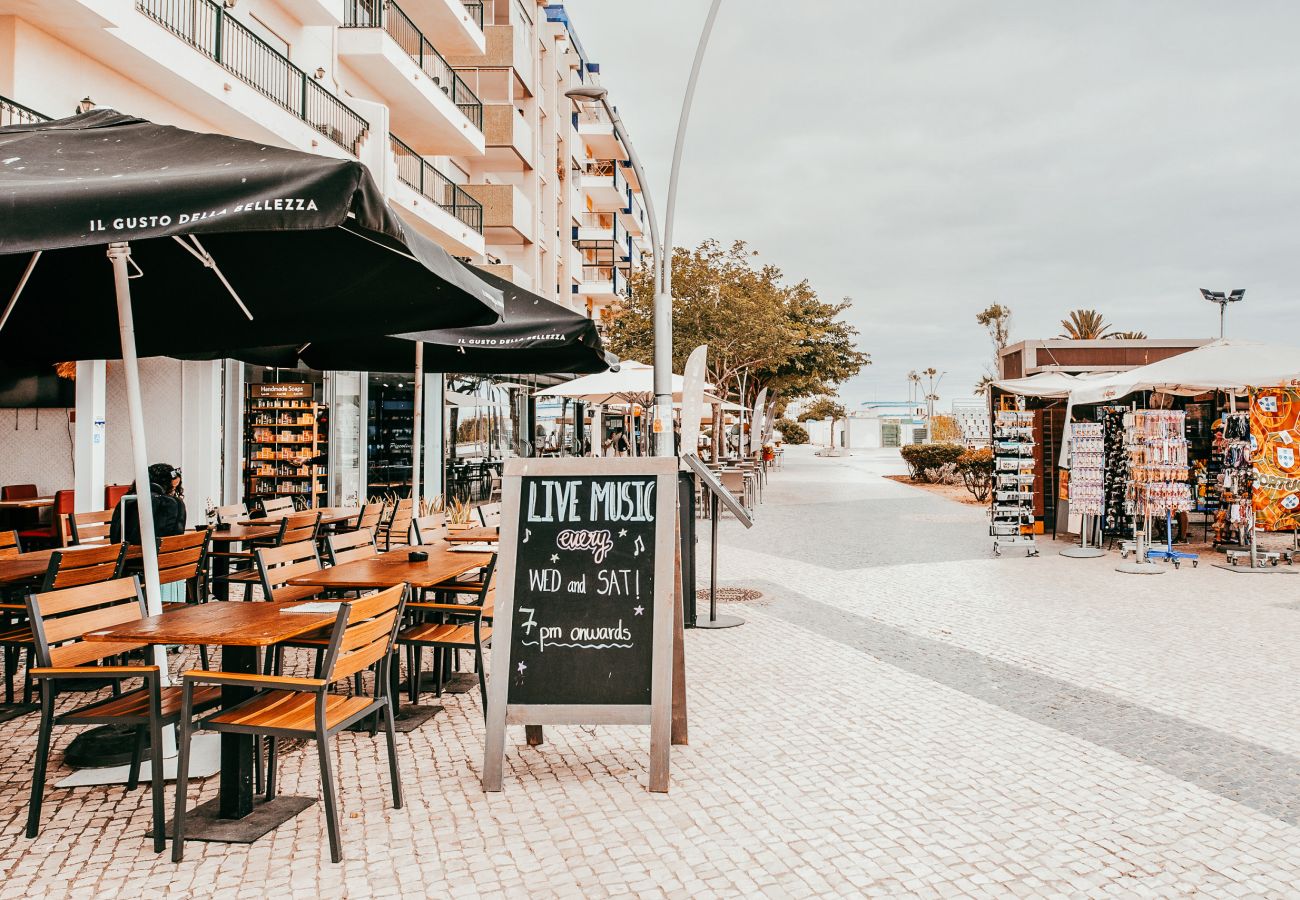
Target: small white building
(877,423)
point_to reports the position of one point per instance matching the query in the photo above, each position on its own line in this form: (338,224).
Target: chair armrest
(447,607)
(96,672)
(248,679)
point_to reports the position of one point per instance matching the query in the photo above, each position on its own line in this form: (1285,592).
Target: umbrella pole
(118,254)
(417,426)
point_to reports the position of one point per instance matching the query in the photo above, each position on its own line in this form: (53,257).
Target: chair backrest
(9,545)
(91,527)
(276,565)
(364,633)
(113,493)
(60,618)
(18,492)
(73,568)
(232,512)
(351,545)
(273,505)
(181,556)
(303,526)
(734,482)
(429,528)
(399,523)
(64,506)
(489,513)
(371,515)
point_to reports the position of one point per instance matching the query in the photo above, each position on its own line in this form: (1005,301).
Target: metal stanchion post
(714,620)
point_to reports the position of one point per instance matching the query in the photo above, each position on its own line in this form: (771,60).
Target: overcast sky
(929,158)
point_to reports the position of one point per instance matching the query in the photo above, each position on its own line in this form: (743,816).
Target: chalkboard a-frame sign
(584,601)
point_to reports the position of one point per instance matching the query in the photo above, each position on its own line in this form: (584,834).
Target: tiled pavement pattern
(903,715)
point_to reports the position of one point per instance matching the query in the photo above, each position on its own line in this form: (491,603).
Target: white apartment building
(457,108)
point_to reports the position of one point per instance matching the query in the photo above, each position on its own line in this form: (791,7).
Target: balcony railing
(209,28)
(415,172)
(606,222)
(389,16)
(475,10)
(607,168)
(12,113)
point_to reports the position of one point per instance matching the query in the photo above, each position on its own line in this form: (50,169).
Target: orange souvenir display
(1275,439)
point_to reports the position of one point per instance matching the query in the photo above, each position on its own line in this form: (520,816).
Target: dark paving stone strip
(1256,776)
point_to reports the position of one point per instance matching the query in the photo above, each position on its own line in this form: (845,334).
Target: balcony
(510,273)
(457,26)
(508,138)
(436,109)
(629,172)
(208,28)
(12,113)
(633,215)
(604,183)
(507,214)
(505,47)
(597,131)
(602,284)
(437,207)
(603,231)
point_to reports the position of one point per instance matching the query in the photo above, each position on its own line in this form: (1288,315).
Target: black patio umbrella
(535,336)
(297,247)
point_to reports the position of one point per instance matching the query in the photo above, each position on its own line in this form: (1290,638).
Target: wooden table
(241,629)
(329,515)
(489,534)
(33,564)
(29,503)
(393,567)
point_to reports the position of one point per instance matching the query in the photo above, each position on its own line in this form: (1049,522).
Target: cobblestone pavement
(901,714)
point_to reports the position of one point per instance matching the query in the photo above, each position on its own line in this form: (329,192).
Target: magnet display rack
(1012,510)
(285,428)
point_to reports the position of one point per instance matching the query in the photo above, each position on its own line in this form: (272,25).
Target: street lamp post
(662,244)
(1223,300)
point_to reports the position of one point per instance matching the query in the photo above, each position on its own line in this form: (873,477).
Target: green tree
(823,353)
(996,319)
(824,408)
(1085,325)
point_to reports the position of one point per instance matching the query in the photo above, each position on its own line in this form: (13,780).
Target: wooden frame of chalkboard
(587,551)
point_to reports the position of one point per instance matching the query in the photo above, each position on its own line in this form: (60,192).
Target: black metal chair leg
(271,754)
(137,753)
(413,654)
(39,765)
(203,656)
(390,732)
(156,781)
(182,782)
(327,790)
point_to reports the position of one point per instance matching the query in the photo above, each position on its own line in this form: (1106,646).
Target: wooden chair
(183,557)
(304,526)
(397,529)
(450,627)
(429,529)
(59,620)
(232,512)
(113,494)
(371,516)
(9,546)
(50,535)
(91,527)
(277,565)
(303,708)
(349,546)
(489,514)
(273,505)
(73,568)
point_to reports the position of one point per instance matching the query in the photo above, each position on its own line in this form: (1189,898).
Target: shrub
(791,431)
(924,461)
(976,470)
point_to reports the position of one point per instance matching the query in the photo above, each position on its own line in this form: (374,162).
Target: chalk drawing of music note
(638,546)
(527,533)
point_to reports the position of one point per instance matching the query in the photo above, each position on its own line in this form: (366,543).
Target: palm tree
(1085,325)
(1128,335)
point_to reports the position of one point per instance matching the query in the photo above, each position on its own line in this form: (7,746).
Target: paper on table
(313,608)
(474,548)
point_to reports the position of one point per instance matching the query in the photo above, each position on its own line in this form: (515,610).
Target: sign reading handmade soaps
(584,601)
(1275,455)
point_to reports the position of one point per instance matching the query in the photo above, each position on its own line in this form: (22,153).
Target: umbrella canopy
(1223,365)
(633,382)
(1051,384)
(233,244)
(535,336)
